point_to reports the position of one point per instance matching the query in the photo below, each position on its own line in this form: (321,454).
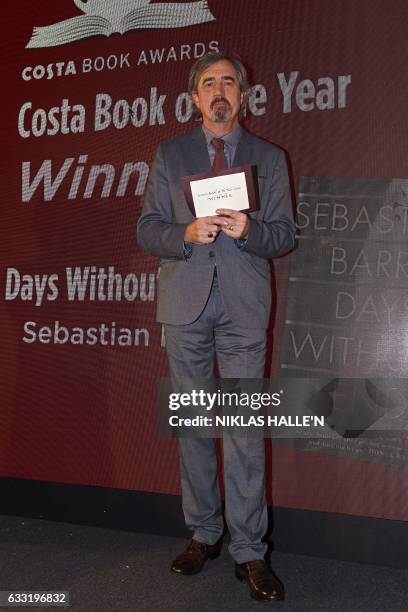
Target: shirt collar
(231,139)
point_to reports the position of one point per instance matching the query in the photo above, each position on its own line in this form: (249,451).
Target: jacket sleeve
(156,232)
(274,235)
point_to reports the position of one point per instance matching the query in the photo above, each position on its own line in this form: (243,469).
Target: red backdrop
(85,413)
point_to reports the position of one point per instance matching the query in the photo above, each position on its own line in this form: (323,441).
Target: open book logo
(106,17)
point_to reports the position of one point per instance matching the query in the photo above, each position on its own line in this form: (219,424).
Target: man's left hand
(236,225)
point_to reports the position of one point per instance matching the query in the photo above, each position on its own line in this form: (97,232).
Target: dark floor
(106,570)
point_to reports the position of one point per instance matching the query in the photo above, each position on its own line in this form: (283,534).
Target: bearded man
(214,300)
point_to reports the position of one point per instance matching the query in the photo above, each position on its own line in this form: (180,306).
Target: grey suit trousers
(240,353)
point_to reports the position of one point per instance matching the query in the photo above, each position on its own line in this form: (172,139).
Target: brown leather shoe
(262,582)
(192,560)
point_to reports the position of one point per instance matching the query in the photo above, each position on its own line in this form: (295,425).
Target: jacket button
(211,254)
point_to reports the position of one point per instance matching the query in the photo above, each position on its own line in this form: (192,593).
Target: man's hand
(237,225)
(205,229)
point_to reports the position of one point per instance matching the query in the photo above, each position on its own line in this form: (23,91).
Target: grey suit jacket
(243,273)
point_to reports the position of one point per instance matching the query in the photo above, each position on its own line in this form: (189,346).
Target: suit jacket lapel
(243,154)
(200,160)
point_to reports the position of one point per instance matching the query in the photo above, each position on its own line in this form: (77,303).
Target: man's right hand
(205,229)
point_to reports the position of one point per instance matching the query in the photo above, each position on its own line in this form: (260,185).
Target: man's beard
(222,113)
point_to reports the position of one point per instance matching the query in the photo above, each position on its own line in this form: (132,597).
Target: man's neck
(220,129)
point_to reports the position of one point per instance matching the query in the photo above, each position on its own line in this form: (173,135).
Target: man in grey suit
(214,299)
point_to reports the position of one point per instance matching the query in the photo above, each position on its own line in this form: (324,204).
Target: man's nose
(219,88)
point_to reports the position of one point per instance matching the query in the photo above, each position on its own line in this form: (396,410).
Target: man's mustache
(219,99)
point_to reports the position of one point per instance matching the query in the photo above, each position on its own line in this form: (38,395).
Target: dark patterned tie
(220,161)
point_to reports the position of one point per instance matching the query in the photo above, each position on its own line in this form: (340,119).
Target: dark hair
(208,60)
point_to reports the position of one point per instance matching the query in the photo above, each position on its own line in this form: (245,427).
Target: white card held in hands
(228,188)
(229,191)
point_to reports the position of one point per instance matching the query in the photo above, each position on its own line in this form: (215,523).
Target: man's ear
(195,98)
